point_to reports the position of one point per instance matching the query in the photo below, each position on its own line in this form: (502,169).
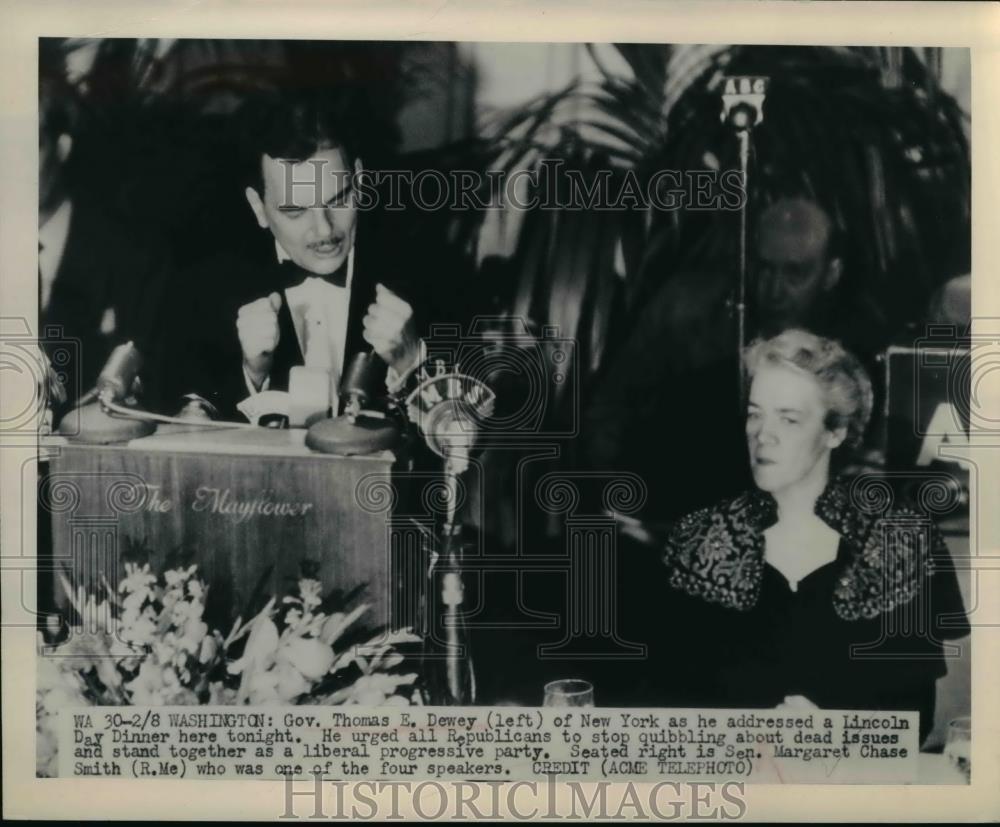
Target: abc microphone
(449,408)
(743,101)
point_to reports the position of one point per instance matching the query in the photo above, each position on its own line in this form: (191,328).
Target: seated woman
(802,592)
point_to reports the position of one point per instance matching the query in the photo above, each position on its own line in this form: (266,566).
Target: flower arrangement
(150,646)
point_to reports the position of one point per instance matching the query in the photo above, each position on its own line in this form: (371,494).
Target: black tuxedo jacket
(211,361)
(105,268)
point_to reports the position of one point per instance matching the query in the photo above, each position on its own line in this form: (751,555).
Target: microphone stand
(743,135)
(447,407)
(109,414)
(459,674)
(742,108)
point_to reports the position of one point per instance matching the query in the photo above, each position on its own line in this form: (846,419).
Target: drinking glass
(958,746)
(569,692)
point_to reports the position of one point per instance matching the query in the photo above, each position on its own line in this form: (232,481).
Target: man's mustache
(327,242)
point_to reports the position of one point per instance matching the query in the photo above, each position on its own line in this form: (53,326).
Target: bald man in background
(799,280)
(667,405)
(797,269)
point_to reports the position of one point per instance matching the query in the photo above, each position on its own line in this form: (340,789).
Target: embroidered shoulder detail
(893,559)
(717,553)
(840,508)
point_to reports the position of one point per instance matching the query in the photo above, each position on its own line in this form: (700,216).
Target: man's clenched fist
(389,329)
(257,324)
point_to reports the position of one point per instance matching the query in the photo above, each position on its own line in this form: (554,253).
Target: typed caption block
(489,744)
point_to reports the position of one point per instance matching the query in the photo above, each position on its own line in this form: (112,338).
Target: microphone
(743,101)
(743,109)
(120,372)
(359,430)
(451,429)
(450,408)
(360,383)
(93,420)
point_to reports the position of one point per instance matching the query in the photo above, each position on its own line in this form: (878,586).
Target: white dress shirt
(317,300)
(319,314)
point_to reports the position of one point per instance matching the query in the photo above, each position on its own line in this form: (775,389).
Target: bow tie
(292,275)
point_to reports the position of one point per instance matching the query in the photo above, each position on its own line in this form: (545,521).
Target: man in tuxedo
(99,285)
(320,280)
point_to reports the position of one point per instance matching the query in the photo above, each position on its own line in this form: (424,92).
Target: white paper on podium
(310,392)
(264,403)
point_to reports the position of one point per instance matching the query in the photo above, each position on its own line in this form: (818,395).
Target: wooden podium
(247,505)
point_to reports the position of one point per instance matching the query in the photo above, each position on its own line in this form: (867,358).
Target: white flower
(290,684)
(262,688)
(293,618)
(312,658)
(368,690)
(177,577)
(164,651)
(139,631)
(137,580)
(220,695)
(336,624)
(179,613)
(209,648)
(310,590)
(133,601)
(194,633)
(147,688)
(314,628)
(261,647)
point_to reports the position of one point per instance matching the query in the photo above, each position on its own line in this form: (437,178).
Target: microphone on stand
(743,109)
(120,372)
(743,101)
(360,383)
(93,421)
(449,408)
(360,430)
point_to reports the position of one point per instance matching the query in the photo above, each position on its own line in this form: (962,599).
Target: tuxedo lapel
(366,276)
(362,295)
(288,353)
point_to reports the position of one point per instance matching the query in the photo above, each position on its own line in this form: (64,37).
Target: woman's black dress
(868,630)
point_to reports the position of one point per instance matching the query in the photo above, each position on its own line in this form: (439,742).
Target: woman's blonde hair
(847,390)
